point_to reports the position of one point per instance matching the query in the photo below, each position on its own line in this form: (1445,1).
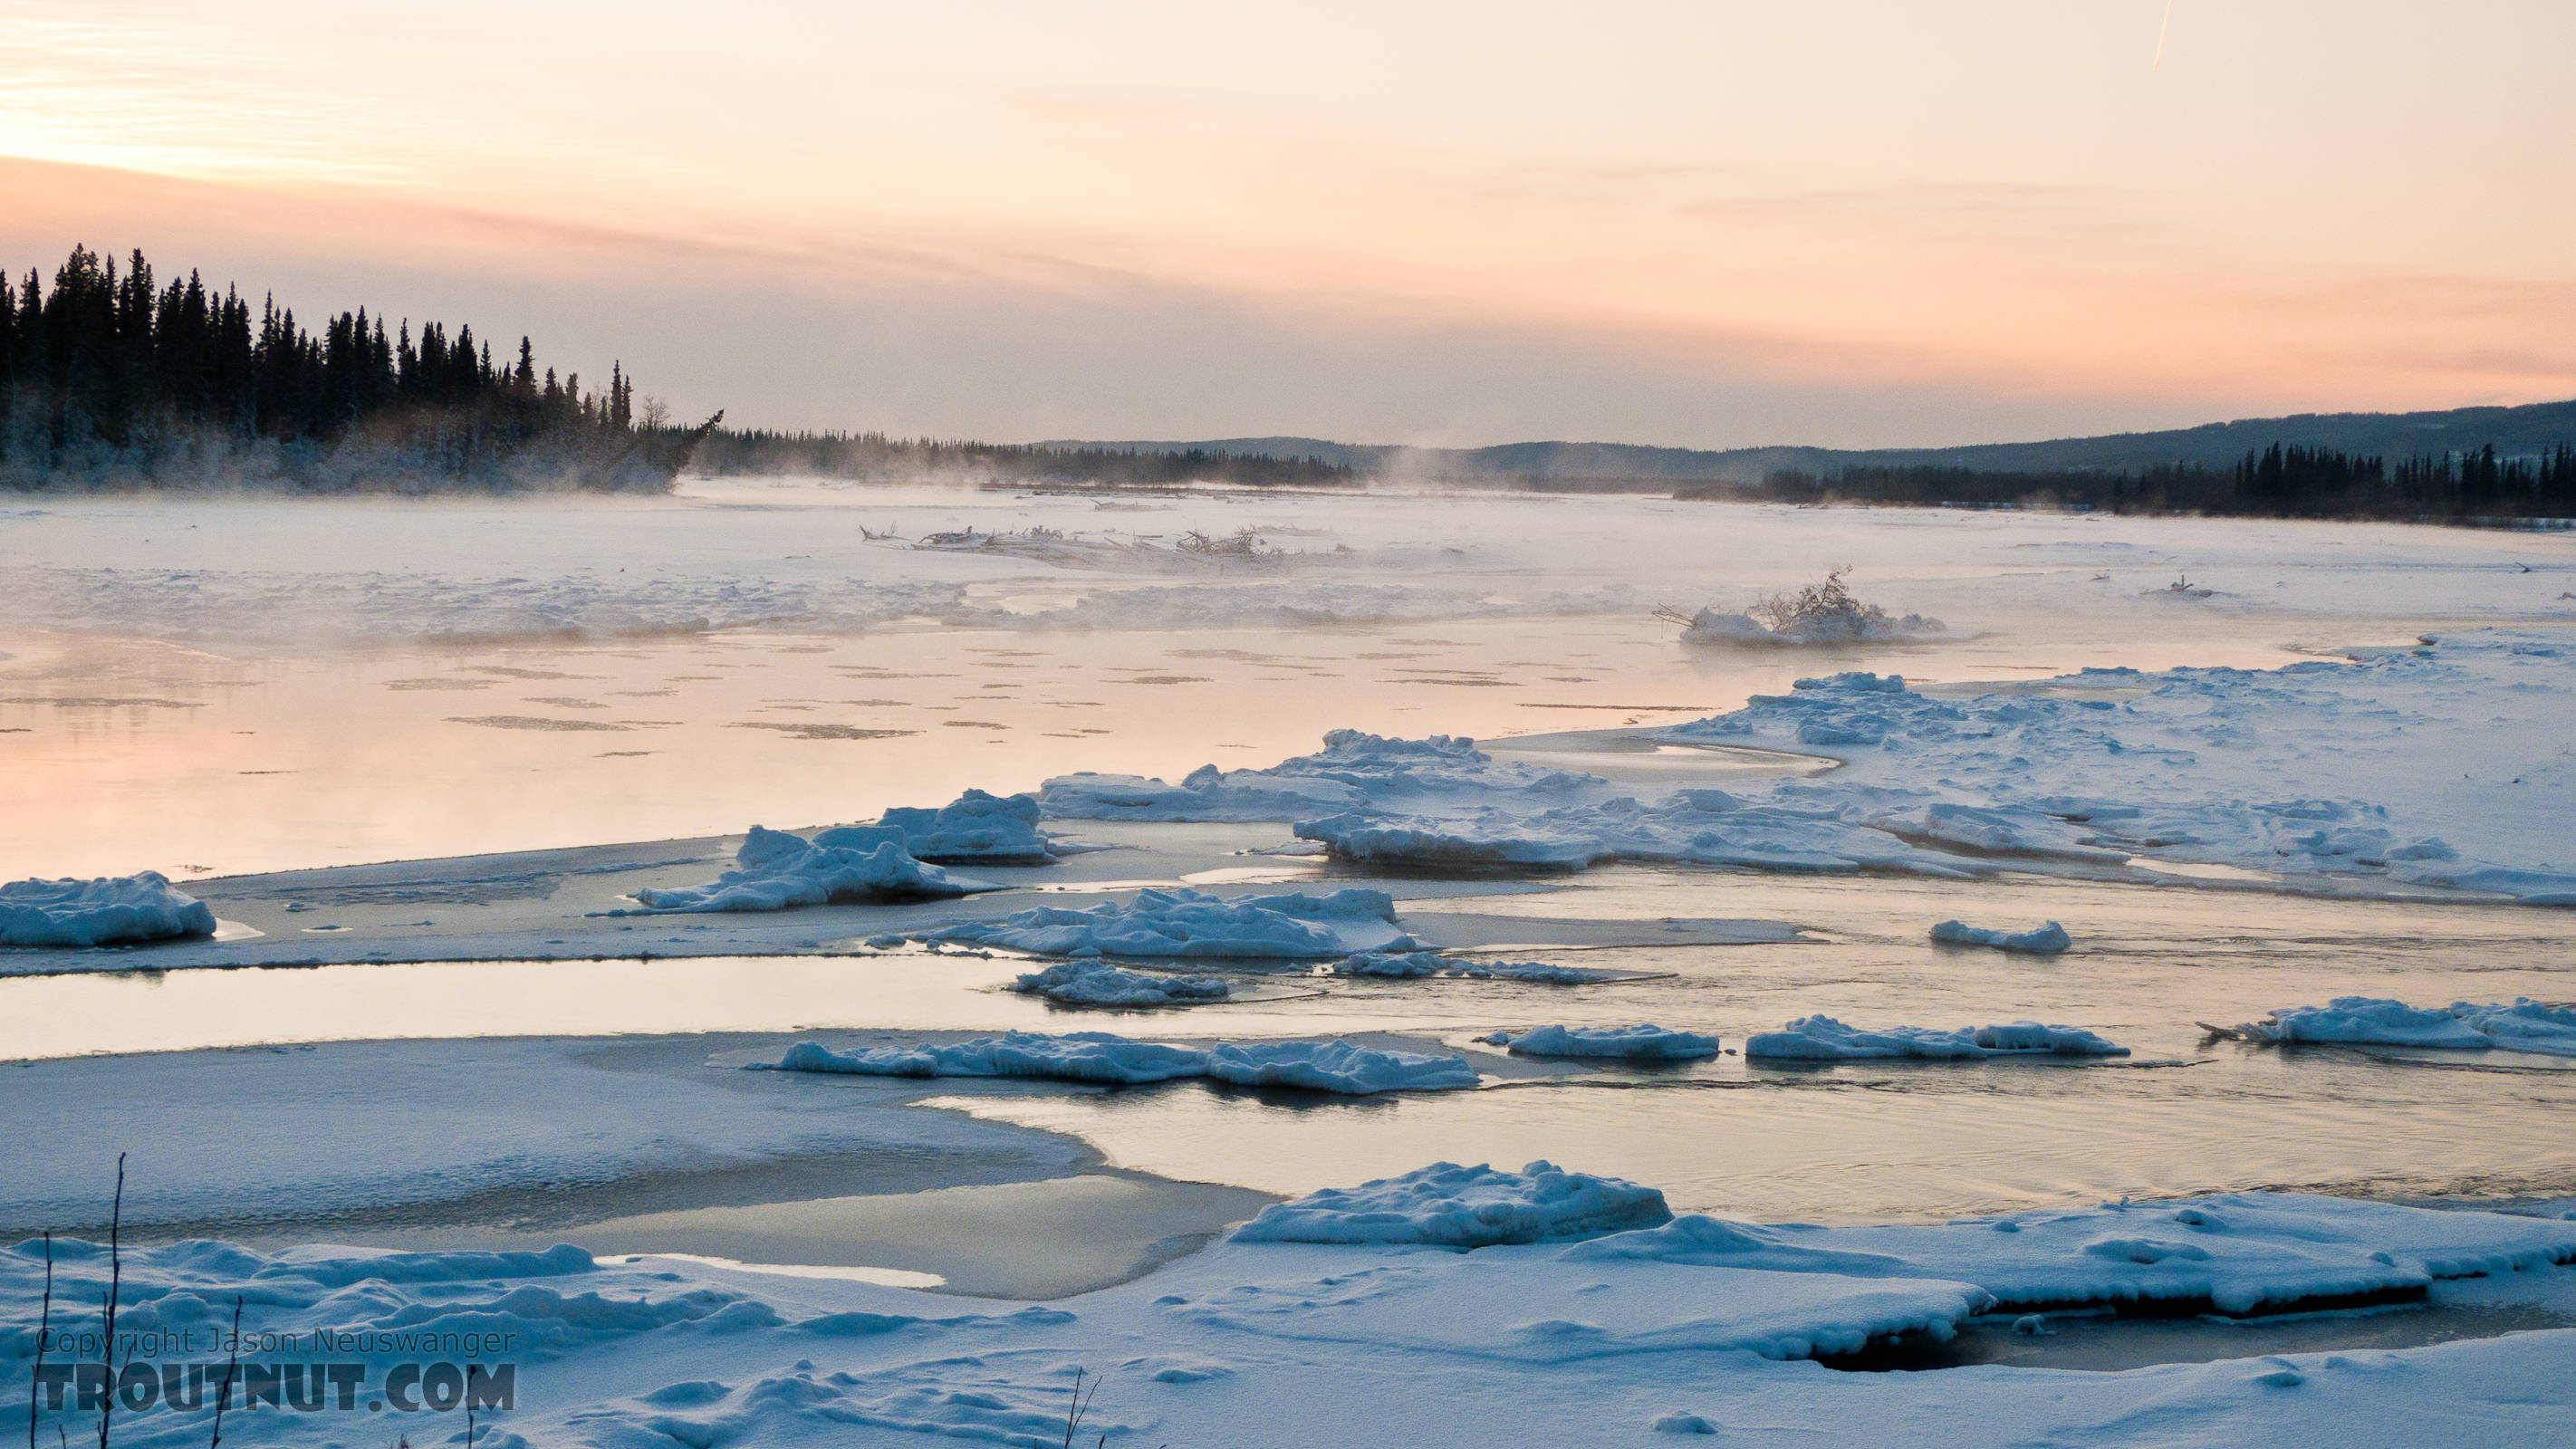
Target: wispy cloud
(174,99)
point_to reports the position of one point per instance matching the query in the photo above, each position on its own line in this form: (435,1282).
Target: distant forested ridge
(2522,433)
(875,457)
(2276,482)
(111,379)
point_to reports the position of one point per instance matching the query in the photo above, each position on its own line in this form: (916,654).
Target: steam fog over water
(334,681)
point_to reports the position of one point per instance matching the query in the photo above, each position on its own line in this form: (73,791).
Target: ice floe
(103,912)
(2523,1026)
(974,829)
(775,871)
(2045,940)
(1337,1066)
(2247,768)
(1462,1207)
(1822,1038)
(1320,1066)
(1415,965)
(1637,1043)
(1097,983)
(1090,1056)
(1287,926)
(2101,771)
(1354,769)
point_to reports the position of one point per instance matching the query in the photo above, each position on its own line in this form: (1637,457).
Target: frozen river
(213,688)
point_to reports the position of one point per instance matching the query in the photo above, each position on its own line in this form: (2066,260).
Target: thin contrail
(2160,36)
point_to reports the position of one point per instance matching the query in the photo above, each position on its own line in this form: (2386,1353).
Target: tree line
(2281,481)
(112,378)
(878,457)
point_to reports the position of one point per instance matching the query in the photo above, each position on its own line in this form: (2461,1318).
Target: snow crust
(1182,922)
(1644,1043)
(1318,1066)
(2524,1026)
(1822,1038)
(2046,940)
(976,828)
(1462,1207)
(101,912)
(776,871)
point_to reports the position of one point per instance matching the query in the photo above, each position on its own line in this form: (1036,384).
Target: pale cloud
(177,99)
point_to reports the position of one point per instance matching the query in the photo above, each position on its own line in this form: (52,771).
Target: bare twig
(44,1328)
(1080,1406)
(232,1360)
(115,1284)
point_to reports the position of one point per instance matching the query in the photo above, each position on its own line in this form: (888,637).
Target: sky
(1684,222)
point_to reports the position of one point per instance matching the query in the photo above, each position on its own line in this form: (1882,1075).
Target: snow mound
(1354,770)
(1462,1207)
(1337,1066)
(1089,1056)
(1638,1043)
(100,912)
(1414,965)
(2047,940)
(1184,922)
(2526,1025)
(2241,1253)
(974,829)
(1095,983)
(775,871)
(1822,1038)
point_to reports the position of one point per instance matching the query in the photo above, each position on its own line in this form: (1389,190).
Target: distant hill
(2515,432)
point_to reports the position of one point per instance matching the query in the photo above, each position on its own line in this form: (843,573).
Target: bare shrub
(1824,610)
